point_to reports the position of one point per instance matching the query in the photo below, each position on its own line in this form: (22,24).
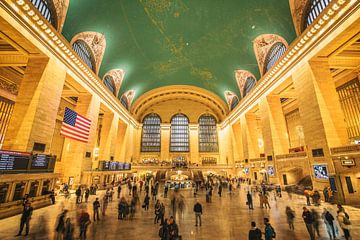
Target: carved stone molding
(118,76)
(297,8)
(241,76)
(61,7)
(97,43)
(262,45)
(9,87)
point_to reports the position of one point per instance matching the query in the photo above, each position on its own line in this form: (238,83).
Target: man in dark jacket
(254,233)
(60,228)
(173,229)
(96,207)
(249,200)
(25,219)
(309,220)
(198,212)
(269,230)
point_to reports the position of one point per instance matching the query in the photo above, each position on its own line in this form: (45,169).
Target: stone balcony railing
(345,149)
(291,155)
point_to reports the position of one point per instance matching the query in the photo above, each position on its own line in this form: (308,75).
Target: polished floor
(225,218)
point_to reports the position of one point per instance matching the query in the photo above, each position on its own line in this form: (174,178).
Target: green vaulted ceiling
(189,42)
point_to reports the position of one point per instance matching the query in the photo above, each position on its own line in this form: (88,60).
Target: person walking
(78,195)
(266,201)
(249,201)
(105,204)
(220,189)
(309,220)
(84,222)
(345,223)
(157,211)
(25,219)
(69,230)
(87,194)
(198,212)
(329,223)
(96,207)
(254,233)
(60,227)
(173,229)
(118,190)
(290,215)
(316,222)
(146,202)
(269,230)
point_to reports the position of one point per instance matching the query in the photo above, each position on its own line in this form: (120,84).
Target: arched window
(208,140)
(313,10)
(274,54)
(47,9)
(109,83)
(249,84)
(150,139)
(124,101)
(179,136)
(234,102)
(85,53)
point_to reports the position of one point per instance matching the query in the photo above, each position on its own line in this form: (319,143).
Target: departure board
(40,161)
(14,161)
(113,166)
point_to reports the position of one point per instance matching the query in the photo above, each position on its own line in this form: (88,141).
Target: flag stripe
(75,129)
(84,119)
(82,125)
(75,139)
(75,133)
(66,133)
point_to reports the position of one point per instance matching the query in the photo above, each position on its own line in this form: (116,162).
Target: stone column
(73,156)
(108,131)
(238,144)
(249,135)
(165,142)
(194,142)
(120,140)
(34,116)
(225,145)
(273,126)
(320,110)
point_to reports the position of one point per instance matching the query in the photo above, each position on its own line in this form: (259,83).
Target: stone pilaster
(108,133)
(34,116)
(274,129)
(165,142)
(120,142)
(73,156)
(194,143)
(249,135)
(237,142)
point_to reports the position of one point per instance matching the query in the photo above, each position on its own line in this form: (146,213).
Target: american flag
(75,126)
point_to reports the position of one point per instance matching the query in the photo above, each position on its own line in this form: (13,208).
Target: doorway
(285,179)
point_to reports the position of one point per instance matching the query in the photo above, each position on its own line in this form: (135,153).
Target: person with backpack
(198,212)
(290,215)
(254,232)
(345,223)
(269,230)
(309,220)
(329,223)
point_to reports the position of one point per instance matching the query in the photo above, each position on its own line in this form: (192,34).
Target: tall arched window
(313,10)
(124,101)
(274,54)
(109,83)
(47,9)
(234,102)
(85,53)
(150,139)
(208,140)
(249,84)
(179,137)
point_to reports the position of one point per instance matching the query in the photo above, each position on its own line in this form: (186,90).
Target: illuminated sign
(348,162)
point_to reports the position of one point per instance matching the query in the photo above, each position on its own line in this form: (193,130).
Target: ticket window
(34,186)
(4,188)
(46,187)
(19,191)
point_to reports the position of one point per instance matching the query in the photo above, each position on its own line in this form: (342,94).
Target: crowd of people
(336,224)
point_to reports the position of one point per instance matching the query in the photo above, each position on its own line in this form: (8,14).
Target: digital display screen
(321,172)
(114,166)
(246,170)
(40,161)
(271,171)
(127,166)
(13,161)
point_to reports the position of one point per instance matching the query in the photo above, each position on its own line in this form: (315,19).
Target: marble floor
(225,218)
